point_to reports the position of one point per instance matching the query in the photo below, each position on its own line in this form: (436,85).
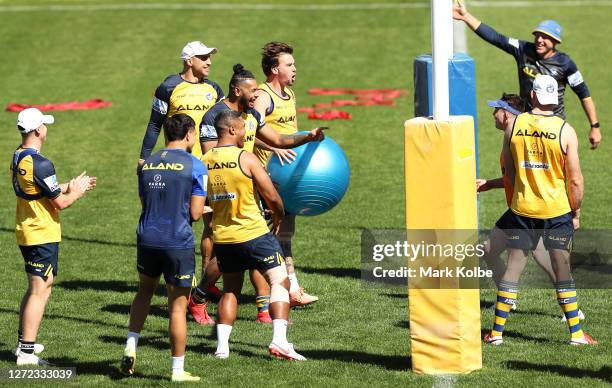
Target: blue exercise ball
(316,181)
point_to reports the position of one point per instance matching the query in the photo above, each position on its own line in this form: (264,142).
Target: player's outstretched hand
(459,10)
(317,134)
(481,185)
(284,155)
(595,137)
(93,181)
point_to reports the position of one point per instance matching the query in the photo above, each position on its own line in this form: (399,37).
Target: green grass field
(354,336)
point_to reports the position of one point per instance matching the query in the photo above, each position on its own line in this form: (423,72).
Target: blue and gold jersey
(539,161)
(35,183)
(232,195)
(253,122)
(280,115)
(173,96)
(559,66)
(166,182)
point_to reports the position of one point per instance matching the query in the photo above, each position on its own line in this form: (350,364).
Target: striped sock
(262,302)
(199,295)
(506,297)
(568,300)
(27,347)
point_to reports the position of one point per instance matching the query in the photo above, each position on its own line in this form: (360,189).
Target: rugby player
(40,198)
(172,189)
(240,232)
(540,57)
(242,97)
(276,102)
(189,92)
(540,159)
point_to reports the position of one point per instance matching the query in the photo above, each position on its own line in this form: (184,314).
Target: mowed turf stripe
(294,7)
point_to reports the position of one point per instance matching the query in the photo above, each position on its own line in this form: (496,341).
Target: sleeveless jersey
(539,161)
(280,116)
(231,193)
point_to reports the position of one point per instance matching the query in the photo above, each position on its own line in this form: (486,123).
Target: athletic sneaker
(493,339)
(200,313)
(263,318)
(300,298)
(38,348)
(222,355)
(184,377)
(287,353)
(563,318)
(128,361)
(585,340)
(214,294)
(30,359)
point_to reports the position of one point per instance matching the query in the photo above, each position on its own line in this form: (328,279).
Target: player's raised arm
(273,138)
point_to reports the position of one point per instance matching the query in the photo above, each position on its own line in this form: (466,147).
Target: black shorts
(40,260)
(262,253)
(525,232)
(177,265)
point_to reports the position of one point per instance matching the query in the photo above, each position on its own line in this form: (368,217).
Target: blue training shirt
(166,182)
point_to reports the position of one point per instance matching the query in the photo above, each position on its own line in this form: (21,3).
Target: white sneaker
(580,316)
(222,354)
(30,359)
(285,352)
(38,348)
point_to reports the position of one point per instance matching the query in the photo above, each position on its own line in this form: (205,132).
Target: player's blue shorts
(525,232)
(177,265)
(40,260)
(262,253)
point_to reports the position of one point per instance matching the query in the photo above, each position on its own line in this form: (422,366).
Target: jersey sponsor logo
(182,277)
(223,197)
(218,166)
(51,182)
(529,71)
(283,120)
(157,182)
(575,79)
(163,166)
(160,106)
(536,133)
(192,107)
(535,165)
(513,42)
(209,96)
(35,265)
(249,138)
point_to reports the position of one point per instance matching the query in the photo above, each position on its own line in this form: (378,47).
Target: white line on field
(294,7)
(444,381)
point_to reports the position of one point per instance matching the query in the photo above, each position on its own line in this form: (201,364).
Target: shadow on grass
(484,305)
(396,363)
(403,296)
(106,285)
(158,311)
(514,334)
(338,272)
(403,324)
(604,373)
(108,368)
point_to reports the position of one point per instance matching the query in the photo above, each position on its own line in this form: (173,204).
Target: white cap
(545,88)
(31,118)
(192,49)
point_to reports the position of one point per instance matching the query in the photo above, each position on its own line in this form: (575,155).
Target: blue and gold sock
(506,297)
(199,296)
(262,302)
(568,300)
